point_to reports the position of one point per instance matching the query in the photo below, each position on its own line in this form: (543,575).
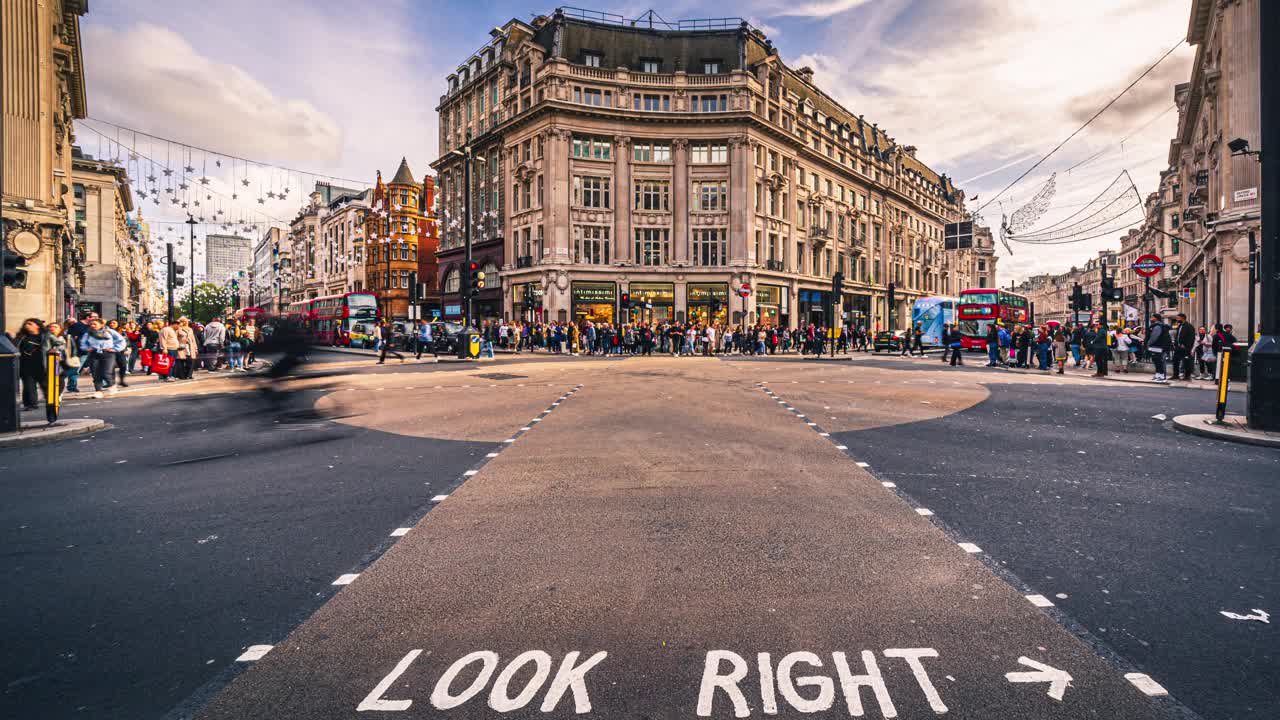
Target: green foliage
(210,301)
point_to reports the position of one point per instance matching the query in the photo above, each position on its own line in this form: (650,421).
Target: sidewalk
(36,431)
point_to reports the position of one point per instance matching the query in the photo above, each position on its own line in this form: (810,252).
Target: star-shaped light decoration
(271,194)
(142,194)
(182,186)
(151,178)
(245,182)
(262,201)
(218,163)
(167,172)
(189,169)
(284,192)
(174,201)
(184,205)
(133,155)
(204,180)
(234,196)
(169,190)
(196,203)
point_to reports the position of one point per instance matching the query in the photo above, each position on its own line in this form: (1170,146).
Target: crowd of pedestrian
(108,352)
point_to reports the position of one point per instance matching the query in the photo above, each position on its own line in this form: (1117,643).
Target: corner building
(679,163)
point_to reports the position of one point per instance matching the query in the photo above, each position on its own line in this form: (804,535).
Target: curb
(1232,431)
(39,432)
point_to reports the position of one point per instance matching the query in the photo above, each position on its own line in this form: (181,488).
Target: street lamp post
(191,223)
(1264,358)
(466,156)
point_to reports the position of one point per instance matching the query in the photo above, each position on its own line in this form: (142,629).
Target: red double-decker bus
(979,307)
(345,320)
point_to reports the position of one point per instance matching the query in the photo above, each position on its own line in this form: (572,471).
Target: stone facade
(679,167)
(268,287)
(117,258)
(1218,194)
(43,93)
(314,262)
(399,229)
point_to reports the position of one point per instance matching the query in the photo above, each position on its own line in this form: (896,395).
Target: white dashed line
(924,511)
(799,416)
(509,440)
(825,434)
(346,579)
(400,532)
(1143,682)
(863,465)
(888,484)
(1040,601)
(255,652)
(469,473)
(525,428)
(439,498)
(970,548)
(492,455)
(811,424)
(842,447)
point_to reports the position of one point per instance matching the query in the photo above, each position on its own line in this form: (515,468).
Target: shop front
(772,306)
(707,302)
(858,310)
(526,302)
(652,302)
(594,301)
(813,307)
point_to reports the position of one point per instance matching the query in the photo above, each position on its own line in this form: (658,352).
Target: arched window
(453,281)
(490,271)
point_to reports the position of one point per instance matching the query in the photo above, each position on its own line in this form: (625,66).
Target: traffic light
(626,301)
(175,274)
(464,288)
(413,286)
(476,277)
(1110,291)
(15,270)
(837,286)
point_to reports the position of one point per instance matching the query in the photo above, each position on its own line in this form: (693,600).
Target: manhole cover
(503,376)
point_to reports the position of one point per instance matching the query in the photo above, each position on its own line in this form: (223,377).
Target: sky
(983,88)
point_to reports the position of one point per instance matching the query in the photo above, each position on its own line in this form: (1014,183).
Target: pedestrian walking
(1099,346)
(1184,342)
(1061,346)
(1158,344)
(103,345)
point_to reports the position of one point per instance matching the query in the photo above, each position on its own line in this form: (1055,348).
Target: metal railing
(775,265)
(652,20)
(524,261)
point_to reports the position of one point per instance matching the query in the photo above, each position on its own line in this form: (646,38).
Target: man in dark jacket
(1184,341)
(1100,348)
(1158,344)
(1077,342)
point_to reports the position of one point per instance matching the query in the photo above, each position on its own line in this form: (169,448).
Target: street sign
(1148,265)
(745,290)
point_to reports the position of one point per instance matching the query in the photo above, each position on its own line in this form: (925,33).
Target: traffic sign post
(1148,266)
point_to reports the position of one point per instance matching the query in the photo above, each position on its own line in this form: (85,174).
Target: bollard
(53,391)
(1224,379)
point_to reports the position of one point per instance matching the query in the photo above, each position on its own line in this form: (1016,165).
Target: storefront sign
(594,292)
(653,293)
(451,310)
(706,292)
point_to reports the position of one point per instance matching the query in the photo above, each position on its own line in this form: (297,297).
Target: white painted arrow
(1058,679)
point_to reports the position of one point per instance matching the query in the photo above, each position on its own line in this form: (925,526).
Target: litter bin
(468,344)
(1238,370)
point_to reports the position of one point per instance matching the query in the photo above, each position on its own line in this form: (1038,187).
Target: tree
(210,301)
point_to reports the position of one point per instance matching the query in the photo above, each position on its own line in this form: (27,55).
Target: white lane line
(1143,682)
(924,511)
(492,455)
(825,434)
(537,419)
(888,484)
(526,428)
(970,548)
(509,440)
(439,498)
(255,652)
(863,465)
(400,532)
(842,447)
(469,473)
(799,416)
(1040,601)
(811,424)
(346,578)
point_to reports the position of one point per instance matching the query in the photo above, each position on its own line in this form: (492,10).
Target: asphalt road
(141,560)
(1140,534)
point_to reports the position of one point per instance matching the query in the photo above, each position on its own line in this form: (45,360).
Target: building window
(652,246)
(591,192)
(708,153)
(591,59)
(710,67)
(452,281)
(1174,221)
(653,195)
(709,247)
(651,102)
(711,196)
(651,66)
(593,96)
(591,244)
(651,152)
(592,148)
(710,103)
(526,194)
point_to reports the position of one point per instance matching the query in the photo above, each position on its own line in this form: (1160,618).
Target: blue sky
(982,87)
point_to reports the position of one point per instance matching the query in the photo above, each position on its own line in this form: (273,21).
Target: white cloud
(819,8)
(150,76)
(986,85)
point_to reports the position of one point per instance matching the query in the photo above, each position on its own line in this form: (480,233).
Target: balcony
(524,261)
(775,265)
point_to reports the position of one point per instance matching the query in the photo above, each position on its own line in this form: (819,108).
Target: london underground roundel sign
(1148,265)
(745,290)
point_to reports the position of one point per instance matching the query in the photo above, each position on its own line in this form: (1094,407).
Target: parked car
(361,334)
(891,341)
(446,336)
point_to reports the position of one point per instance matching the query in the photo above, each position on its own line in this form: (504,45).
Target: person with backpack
(1158,344)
